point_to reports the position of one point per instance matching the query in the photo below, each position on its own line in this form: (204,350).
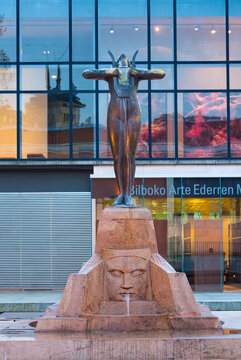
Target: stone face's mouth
(131,294)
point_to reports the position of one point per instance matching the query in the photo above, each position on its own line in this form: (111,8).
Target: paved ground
(38,301)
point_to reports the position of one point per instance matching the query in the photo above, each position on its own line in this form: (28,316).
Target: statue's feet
(119,200)
(127,201)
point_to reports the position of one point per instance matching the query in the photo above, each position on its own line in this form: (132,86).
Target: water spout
(127,299)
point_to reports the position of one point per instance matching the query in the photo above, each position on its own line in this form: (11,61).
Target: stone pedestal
(127,285)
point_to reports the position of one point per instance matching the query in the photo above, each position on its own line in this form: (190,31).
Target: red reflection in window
(235,124)
(204,132)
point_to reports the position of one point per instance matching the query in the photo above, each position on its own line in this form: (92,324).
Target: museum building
(56,168)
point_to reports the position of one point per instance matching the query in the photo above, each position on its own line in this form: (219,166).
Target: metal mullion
(18,78)
(44,63)
(228,78)
(201,90)
(149,67)
(214,62)
(70,84)
(175,76)
(44,92)
(96,82)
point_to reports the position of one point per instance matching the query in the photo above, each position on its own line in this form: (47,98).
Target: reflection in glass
(83,30)
(234,29)
(235,76)
(235,124)
(202,125)
(45,77)
(8,126)
(79,82)
(167,82)
(44,30)
(231,231)
(161,30)
(83,131)
(7,77)
(123,28)
(104,150)
(201,77)
(45,126)
(8,31)
(201,30)
(162,129)
(143,144)
(201,242)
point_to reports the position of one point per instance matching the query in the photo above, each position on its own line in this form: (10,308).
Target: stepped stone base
(126,265)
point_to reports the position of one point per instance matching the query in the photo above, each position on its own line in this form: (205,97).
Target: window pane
(231,230)
(104,150)
(44,30)
(162,127)
(143,144)
(45,126)
(234,29)
(8,30)
(43,77)
(8,126)
(83,126)
(83,30)
(202,77)
(202,125)
(167,82)
(235,124)
(201,30)
(161,30)
(201,240)
(7,77)
(79,81)
(235,76)
(123,28)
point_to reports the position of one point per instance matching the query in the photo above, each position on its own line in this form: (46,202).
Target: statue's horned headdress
(123,58)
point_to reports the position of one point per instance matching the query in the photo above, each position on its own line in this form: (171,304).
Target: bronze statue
(124,118)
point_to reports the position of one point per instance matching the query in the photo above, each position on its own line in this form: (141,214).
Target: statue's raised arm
(124,118)
(143,74)
(100,74)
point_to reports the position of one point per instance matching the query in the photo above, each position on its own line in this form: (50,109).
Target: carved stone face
(127,275)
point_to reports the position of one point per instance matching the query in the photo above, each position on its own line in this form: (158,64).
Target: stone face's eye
(138,272)
(116,273)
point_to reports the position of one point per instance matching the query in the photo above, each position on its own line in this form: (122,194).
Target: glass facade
(197,223)
(50,111)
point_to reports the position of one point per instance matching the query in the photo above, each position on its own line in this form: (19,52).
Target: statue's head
(123,60)
(127,272)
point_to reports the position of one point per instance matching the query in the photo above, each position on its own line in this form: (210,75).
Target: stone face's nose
(127,283)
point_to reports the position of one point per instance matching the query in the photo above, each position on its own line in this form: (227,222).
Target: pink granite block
(59,324)
(83,291)
(128,323)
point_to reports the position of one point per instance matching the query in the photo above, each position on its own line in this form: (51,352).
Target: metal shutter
(43,238)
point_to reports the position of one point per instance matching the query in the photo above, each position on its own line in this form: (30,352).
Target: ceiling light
(111,31)
(229,31)
(53,76)
(136,28)
(157,28)
(196,27)
(213,30)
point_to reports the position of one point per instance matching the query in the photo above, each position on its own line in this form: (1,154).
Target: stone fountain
(126,264)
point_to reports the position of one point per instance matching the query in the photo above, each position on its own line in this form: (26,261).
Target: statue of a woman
(124,118)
